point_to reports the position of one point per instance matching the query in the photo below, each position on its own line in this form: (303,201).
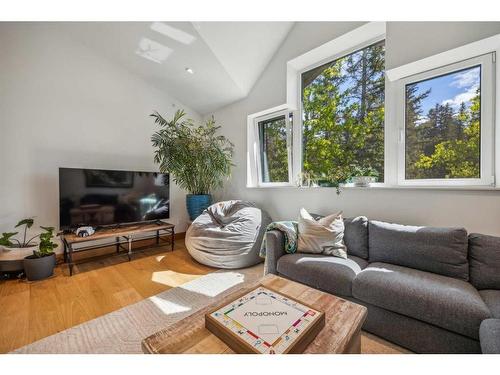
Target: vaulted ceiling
(205,65)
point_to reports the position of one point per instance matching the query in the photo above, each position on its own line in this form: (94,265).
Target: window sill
(386,187)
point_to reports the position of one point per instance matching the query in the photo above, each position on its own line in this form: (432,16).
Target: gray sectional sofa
(427,289)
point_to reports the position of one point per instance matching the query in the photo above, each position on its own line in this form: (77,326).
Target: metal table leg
(65,253)
(129,254)
(172,238)
(70,255)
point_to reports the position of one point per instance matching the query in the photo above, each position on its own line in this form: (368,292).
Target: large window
(428,123)
(448,125)
(343,115)
(443,123)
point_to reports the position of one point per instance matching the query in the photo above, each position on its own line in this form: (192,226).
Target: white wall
(63,105)
(476,210)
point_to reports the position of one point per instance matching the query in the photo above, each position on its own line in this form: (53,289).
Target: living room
(182,184)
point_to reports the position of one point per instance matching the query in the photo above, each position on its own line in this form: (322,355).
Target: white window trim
(345,44)
(465,52)
(254,175)
(487,123)
(454,56)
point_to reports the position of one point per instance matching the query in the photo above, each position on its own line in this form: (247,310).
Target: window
(448,125)
(427,123)
(270,148)
(273,137)
(343,115)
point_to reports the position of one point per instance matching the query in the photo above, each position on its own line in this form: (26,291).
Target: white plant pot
(363,181)
(16,253)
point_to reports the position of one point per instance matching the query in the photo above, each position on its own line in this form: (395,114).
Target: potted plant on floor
(198,158)
(13,250)
(41,263)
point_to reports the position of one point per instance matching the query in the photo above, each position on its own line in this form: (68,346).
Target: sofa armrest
(489,336)
(275,248)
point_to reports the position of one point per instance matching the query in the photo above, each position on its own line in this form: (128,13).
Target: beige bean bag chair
(228,235)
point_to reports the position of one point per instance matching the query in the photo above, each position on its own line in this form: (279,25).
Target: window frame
(300,113)
(349,42)
(487,126)
(289,118)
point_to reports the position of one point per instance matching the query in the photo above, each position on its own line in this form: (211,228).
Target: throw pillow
(323,236)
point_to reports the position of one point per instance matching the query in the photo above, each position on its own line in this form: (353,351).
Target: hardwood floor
(31,311)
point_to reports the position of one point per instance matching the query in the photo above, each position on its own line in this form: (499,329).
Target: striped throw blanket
(289,230)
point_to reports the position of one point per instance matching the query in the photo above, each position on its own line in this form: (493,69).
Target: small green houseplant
(336,177)
(24,253)
(196,155)
(364,176)
(7,240)
(41,264)
(14,248)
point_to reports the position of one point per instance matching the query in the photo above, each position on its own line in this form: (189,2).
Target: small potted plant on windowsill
(13,250)
(306,179)
(41,263)
(339,177)
(364,176)
(325,181)
(335,178)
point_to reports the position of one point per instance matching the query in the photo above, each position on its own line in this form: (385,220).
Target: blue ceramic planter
(196,204)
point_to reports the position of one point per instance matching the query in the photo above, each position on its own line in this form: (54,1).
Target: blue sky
(453,88)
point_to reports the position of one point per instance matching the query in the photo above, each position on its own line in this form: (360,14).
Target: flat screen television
(106,197)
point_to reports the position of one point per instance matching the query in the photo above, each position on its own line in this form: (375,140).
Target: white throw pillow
(324,236)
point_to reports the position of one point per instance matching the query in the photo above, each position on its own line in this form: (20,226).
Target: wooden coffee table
(341,334)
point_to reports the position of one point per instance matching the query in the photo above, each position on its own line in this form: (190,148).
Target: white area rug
(123,330)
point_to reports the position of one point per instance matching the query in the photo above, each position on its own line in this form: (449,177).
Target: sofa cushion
(484,257)
(438,250)
(356,236)
(330,274)
(492,299)
(489,335)
(443,301)
(321,236)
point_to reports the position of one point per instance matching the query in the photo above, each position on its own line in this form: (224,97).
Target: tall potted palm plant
(198,158)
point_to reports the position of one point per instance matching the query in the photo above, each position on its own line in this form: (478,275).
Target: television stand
(123,237)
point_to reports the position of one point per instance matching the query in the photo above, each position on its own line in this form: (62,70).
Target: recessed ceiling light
(190,71)
(173,32)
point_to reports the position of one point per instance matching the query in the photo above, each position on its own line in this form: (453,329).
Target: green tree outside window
(343,115)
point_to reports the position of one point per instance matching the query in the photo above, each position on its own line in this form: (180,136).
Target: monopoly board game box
(264,321)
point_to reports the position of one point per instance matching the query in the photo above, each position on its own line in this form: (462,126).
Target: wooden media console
(123,236)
